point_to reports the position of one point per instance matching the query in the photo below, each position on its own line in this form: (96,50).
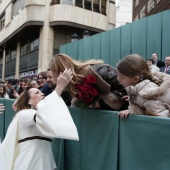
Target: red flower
(93,91)
(78,86)
(84,94)
(91,79)
(85,87)
(89,99)
(78,96)
(87,92)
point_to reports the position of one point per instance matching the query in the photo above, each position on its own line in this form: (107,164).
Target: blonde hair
(62,61)
(134,65)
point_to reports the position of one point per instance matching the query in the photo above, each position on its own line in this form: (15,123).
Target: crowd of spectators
(44,81)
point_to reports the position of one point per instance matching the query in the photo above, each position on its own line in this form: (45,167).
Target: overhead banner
(29,74)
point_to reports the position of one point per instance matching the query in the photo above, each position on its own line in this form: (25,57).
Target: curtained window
(18,5)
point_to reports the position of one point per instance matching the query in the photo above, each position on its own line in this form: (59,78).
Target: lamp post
(74,37)
(86,34)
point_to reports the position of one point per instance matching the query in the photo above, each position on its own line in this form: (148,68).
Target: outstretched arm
(63,80)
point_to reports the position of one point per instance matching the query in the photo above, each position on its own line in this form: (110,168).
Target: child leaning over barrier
(148,93)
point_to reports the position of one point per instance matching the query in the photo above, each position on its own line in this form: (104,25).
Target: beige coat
(148,98)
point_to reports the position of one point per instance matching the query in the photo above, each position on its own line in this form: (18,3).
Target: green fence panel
(114,46)
(80,50)
(97,148)
(88,48)
(96,46)
(154,30)
(165,34)
(105,50)
(9,112)
(72,50)
(126,40)
(63,49)
(144,143)
(58,152)
(139,37)
(2,122)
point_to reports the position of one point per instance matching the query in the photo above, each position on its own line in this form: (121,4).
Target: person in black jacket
(157,62)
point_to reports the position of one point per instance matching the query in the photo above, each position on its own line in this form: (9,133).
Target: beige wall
(81,16)
(31,13)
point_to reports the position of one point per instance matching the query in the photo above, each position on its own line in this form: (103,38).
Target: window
(10,55)
(136,18)
(2,22)
(1,61)
(98,6)
(143,12)
(55,2)
(68,2)
(103,6)
(79,3)
(25,49)
(150,5)
(18,5)
(34,44)
(13,55)
(29,45)
(136,3)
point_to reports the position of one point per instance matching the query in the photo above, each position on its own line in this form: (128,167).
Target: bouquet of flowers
(87,93)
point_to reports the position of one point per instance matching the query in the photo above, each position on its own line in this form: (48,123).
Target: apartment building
(31,31)
(143,8)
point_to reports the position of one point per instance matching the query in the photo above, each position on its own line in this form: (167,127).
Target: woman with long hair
(108,87)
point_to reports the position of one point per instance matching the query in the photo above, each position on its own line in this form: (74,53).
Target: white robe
(52,120)
(1,159)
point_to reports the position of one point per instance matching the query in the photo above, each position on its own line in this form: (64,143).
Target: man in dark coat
(156,61)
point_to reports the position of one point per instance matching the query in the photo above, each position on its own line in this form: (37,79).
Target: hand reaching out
(124,114)
(125,98)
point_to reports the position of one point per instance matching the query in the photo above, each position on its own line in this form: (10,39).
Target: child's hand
(124,114)
(125,98)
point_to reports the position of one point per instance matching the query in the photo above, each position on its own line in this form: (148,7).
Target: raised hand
(63,80)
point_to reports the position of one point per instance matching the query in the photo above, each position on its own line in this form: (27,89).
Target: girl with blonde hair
(148,93)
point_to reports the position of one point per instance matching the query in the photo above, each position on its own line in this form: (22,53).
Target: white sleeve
(53,118)
(27,117)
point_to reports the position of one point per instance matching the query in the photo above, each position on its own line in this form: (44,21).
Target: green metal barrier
(97,148)
(2,122)
(109,143)
(144,143)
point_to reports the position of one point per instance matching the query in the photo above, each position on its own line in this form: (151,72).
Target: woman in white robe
(27,145)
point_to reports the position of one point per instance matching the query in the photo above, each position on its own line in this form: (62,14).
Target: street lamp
(86,34)
(74,37)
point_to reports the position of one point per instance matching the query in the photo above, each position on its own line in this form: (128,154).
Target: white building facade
(31,31)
